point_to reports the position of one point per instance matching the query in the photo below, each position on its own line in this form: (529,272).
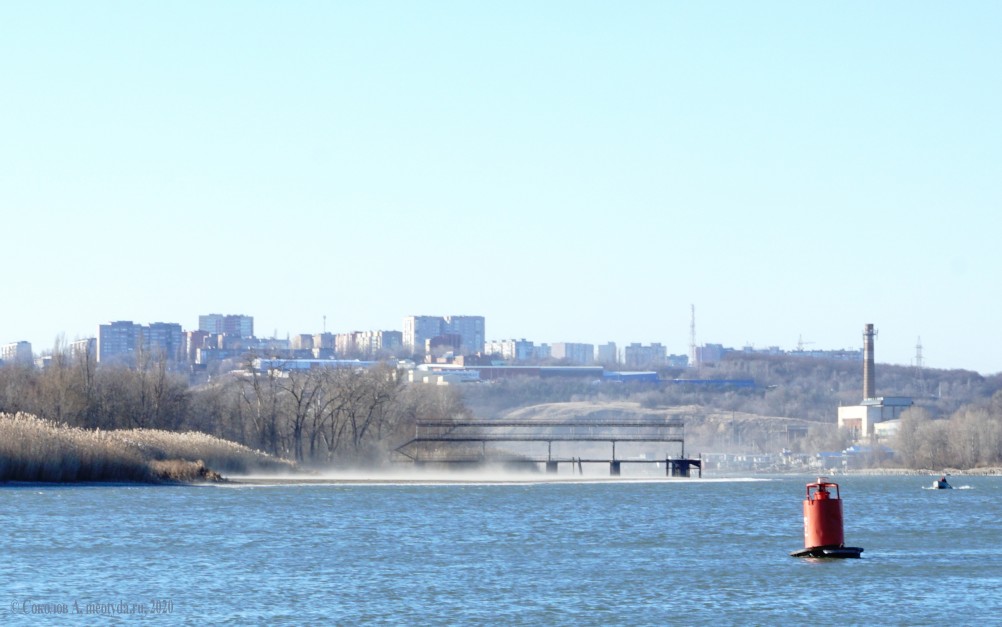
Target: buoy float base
(836,552)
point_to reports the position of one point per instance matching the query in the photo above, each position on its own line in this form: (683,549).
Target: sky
(574,171)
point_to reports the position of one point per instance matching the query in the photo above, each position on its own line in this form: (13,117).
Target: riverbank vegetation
(969,438)
(352,417)
(325,416)
(33,449)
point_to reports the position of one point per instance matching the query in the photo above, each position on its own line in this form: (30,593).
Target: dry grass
(32,449)
(220,455)
(180,470)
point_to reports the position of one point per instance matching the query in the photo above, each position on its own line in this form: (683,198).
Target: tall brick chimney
(869,377)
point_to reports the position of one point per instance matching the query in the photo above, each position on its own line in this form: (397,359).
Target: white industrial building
(861,420)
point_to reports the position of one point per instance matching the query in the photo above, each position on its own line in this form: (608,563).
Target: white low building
(887,429)
(861,420)
(441,374)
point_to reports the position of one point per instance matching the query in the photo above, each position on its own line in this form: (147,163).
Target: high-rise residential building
(122,340)
(518,351)
(211,323)
(381,343)
(368,344)
(324,345)
(301,342)
(237,325)
(579,354)
(118,341)
(638,356)
(709,354)
(17,353)
(512,350)
(420,329)
(346,345)
(607,354)
(163,339)
(470,329)
(242,326)
(323,341)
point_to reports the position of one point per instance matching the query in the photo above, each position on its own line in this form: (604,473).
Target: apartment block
(608,354)
(17,353)
(382,343)
(237,325)
(118,341)
(163,339)
(422,332)
(301,342)
(637,356)
(122,340)
(368,344)
(512,350)
(574,353)
(323,341)
(470,329)
(420,329)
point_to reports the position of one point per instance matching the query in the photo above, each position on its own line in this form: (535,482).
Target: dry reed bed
(32,449)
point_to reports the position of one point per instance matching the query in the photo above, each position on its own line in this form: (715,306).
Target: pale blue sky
(573,171)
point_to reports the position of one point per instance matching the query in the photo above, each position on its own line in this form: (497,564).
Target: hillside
(706,429)
(789,396)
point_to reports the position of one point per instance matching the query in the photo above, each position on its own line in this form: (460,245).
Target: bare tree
(355,411)
(260,394)
(907,442)
(301,390)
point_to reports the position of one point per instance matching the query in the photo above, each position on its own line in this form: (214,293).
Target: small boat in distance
(941,484)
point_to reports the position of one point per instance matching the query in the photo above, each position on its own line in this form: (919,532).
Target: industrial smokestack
(869,377)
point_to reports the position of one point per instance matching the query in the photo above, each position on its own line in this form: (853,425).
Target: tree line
(970,438)
(325,416)
(349,416)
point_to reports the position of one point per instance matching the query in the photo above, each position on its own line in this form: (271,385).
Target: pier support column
(614,469)
(680,468)
(551,467)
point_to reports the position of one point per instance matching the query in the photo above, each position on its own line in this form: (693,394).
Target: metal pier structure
(476,442)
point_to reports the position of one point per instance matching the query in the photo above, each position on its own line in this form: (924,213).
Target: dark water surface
(684,552)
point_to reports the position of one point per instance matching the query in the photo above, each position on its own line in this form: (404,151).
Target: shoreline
(375,477)
(993,471)
(487,476)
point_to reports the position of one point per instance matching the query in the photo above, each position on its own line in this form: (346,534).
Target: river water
(682,551)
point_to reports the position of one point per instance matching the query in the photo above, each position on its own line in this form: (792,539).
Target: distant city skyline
(574,172)
(242,325)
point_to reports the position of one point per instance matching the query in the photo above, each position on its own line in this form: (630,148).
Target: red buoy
(823,534)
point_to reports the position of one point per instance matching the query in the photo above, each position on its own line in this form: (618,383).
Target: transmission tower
(918,353)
